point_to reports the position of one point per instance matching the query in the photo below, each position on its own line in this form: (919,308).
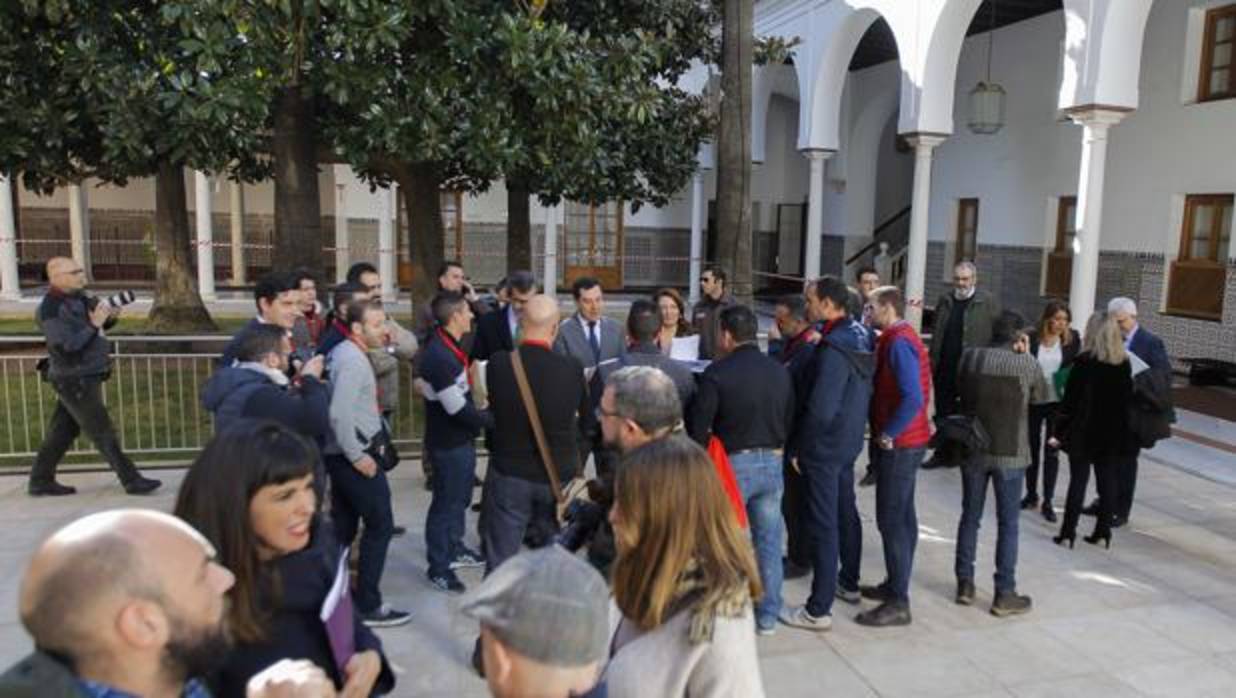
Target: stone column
(815,211)
(697,236)
(916,256)
(79,228)
(1082,288)
(205,236)
(550,275)
(236,196)
(10,282)
(343,255)
(386,243)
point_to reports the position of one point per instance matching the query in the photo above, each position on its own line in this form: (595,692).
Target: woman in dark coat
(1055,346)
(1093,425)
(251,493)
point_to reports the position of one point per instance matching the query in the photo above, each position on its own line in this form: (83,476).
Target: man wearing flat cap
(544,618)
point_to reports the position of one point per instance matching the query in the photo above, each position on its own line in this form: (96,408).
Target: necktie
(594,340)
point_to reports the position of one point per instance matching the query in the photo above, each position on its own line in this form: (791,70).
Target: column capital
(920,140)
(1097,115)
(817,153)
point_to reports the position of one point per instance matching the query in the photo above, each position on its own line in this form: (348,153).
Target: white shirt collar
(277,376)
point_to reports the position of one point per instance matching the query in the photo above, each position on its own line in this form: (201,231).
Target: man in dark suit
(1149,348)
(498,331)
(745,399)
(278,303)
(517,489)
(594,340)
(643,322)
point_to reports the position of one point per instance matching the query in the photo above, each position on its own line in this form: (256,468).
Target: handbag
(576,487)
(381,448)
(962,433)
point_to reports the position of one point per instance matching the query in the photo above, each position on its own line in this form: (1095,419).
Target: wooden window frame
(609,276)
(959,240)
(1204,93)
(1058,278)
(1196,284)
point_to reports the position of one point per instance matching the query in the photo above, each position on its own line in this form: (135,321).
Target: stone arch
(932,111)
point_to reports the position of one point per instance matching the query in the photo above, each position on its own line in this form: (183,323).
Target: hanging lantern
(986,108)
(987,97)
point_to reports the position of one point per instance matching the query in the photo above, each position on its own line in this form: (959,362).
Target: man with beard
(125,602)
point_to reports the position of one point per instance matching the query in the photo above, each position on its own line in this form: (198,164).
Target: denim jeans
(1007,485)
(454,470)
(836,532)
(760,481)
(509,505)
(356,498)
(896,517)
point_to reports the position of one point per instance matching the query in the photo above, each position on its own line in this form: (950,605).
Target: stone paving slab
(1154,616)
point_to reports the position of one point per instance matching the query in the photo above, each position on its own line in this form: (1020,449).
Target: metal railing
(153,400)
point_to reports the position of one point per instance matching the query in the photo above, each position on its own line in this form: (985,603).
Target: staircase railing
(875,236)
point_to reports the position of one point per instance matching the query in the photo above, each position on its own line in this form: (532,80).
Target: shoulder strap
(534,419)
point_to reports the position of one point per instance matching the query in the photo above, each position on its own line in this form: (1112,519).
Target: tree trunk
(177,305)
(518,226)
(421,184)
(298,206)
(734,147)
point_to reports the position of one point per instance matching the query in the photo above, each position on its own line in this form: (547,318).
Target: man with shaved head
(517,490)
(125,602)
(77,363)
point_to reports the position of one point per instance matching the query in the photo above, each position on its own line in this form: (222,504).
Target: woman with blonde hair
(1093,425)
(684,581)
(673,318)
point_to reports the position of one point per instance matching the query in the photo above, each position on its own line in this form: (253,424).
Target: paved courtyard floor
(1154,616)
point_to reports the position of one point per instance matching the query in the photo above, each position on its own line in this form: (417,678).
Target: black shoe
(385,617)
(793,570)
(1010,603)
(875,592)
(887,614)
(965,592)
(1096,538)
(49,489)
(397,531)
(1030,501)
(1091,509)
(477,482)
(448,583)
(868,480)
(1049,512)
(1063,538)
(467,558)
(141,485)
(476,507)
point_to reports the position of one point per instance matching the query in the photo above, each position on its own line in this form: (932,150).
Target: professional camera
(119,300)
(583,518)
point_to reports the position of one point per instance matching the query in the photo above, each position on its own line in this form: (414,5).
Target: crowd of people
(715,477)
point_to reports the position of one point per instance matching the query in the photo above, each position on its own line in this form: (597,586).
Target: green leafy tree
(102,89)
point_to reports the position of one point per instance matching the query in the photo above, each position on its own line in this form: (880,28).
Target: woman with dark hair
(684,580)
(673,318)
(1055,345)
(251,493)
(1093,426)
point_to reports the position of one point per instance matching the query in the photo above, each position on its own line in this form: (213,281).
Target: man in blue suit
(1149,348)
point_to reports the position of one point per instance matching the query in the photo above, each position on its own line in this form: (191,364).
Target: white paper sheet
(685,348)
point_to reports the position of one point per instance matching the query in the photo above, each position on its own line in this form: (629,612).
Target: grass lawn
(153,401)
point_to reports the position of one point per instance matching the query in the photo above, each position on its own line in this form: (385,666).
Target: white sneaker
(798,617)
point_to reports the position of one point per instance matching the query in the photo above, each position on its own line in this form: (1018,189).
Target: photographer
(77,364)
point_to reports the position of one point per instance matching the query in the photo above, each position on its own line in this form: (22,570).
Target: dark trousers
(509,506)
(79,407)
(1124,484)
(1041,416)
(944,382)
(794,511)
(356,498)
(1106,481)
(452,493)
(1007,487)
(836,533)
(896,517)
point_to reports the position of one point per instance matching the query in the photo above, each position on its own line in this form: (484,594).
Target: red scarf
(460,356)
(536,343)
